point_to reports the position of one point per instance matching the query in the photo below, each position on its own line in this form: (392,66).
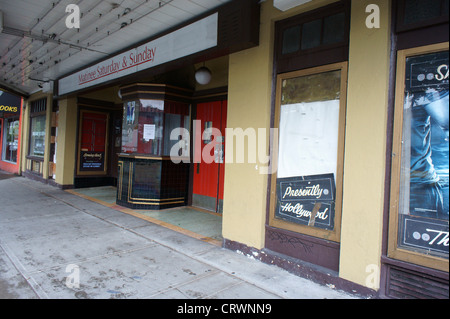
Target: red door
(209,173)
(93,143)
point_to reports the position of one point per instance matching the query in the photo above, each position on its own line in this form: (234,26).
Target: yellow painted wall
(66,141)
(365,146)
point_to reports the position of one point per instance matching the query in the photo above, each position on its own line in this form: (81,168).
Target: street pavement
(56,245)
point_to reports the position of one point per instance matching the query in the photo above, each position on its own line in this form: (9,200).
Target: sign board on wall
(307,200)
(92,161)
(9,103)
(193,38)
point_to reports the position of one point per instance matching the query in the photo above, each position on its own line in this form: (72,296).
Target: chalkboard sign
(9,103)
(307,200)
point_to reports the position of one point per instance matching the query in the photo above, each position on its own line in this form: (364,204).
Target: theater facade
(317,130)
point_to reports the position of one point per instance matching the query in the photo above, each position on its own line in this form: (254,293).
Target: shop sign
(92,161)
(193,38)
(307,200)
(9,103)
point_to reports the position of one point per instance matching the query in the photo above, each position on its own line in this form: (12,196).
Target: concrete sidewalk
(56,245)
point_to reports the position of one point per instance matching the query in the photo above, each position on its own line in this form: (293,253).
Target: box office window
(148,124)
(419,215)
(310,117)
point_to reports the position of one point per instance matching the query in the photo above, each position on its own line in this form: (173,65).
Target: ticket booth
(153,166)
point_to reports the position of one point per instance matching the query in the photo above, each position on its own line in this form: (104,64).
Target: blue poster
(427,98)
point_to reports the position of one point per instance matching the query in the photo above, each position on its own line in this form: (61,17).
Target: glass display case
(148,123)
(152,171)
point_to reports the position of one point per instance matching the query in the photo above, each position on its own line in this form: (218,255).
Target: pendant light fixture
(203,75)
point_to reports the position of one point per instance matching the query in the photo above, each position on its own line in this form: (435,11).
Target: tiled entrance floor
(188,220)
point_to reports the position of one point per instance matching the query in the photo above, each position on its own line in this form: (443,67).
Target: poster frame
(334,234)
(394,251)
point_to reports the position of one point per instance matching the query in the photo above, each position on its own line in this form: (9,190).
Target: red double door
(209,173)
(93,143)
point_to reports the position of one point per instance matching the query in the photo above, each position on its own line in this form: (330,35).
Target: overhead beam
(7,88)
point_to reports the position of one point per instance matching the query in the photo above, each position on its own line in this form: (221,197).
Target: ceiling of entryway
(36,46)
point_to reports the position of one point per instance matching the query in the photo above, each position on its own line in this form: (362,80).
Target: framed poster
(419,214)
(306,189)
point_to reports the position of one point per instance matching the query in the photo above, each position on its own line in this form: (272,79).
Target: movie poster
(424,218)
(130,127)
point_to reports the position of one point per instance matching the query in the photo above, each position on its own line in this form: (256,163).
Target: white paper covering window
(308,138)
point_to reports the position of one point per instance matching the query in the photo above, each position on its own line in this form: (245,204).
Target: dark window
(413,14)
(291,40)
(314,38)
(311,34)
(419,10)
(334,28)
(314,34)
(38,106)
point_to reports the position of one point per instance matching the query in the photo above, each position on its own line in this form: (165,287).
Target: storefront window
(10,140)
(37,136)
(308,180)
(147,126)
(422,164)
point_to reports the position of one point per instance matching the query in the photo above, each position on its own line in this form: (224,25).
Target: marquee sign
(193,38)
